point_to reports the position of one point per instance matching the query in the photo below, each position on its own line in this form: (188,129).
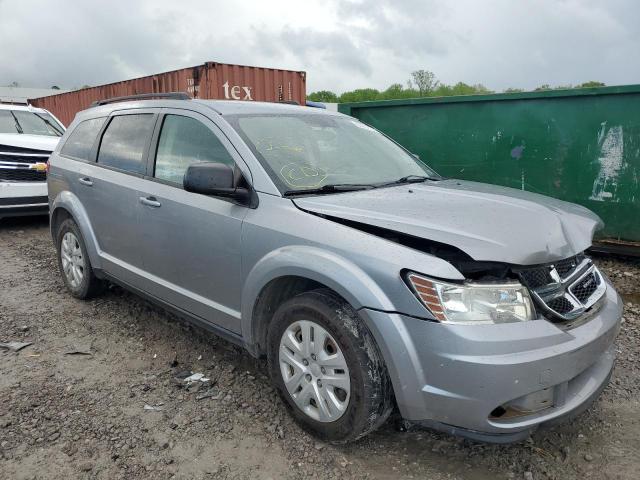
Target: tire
(368,399)
(83,284)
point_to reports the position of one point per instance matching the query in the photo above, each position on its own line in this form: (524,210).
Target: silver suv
(367,281)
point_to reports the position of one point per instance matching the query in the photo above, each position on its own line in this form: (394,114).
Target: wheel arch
(58,216)
(67,205)
(289,271)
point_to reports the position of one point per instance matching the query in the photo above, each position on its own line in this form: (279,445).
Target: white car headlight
(473,303)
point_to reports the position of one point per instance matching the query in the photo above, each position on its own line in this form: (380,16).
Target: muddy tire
(73,262)
(327,367)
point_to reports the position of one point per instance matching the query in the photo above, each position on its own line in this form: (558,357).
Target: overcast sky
(341,44)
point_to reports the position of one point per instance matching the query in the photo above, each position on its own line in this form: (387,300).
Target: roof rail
(316,104)
(143,96)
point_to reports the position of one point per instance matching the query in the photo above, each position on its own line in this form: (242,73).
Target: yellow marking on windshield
(303,175)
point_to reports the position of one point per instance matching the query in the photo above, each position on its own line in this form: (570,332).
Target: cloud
(342,44)
(316,48)
(396,27)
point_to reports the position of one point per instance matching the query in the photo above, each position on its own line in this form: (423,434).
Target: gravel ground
(83,415)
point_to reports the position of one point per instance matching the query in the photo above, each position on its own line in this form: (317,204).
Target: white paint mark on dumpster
(603,129)
(611,161)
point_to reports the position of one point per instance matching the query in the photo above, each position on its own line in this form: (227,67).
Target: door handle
(150,201)
(86,181)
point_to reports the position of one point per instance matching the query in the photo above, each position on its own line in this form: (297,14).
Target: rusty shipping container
(208,81)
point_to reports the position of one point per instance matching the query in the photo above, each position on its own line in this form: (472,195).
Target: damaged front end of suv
(523,337)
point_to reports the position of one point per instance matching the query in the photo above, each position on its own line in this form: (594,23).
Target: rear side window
(124,142)
(81,140)
(183,141)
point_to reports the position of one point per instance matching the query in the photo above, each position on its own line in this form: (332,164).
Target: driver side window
(183,141)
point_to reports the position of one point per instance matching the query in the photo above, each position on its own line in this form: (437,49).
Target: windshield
(29,123)
(304,152)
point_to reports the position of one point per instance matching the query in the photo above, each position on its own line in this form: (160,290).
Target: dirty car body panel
(212,258)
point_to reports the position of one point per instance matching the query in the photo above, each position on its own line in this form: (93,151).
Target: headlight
(473,303)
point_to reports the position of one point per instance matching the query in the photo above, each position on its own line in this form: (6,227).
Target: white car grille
(18,164)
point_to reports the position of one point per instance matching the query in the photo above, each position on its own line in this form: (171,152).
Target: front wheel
(327,367)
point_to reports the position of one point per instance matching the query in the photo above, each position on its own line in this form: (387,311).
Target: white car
(28,135)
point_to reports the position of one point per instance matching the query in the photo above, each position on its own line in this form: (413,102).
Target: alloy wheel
(72,259)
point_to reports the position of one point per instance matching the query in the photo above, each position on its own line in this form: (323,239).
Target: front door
(192,241)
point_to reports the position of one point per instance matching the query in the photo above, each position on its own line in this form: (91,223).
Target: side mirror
(217,179)
(416,156)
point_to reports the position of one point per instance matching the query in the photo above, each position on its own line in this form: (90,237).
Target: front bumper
(23,198)
(454,377)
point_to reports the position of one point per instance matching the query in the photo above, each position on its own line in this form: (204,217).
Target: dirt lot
(83,416)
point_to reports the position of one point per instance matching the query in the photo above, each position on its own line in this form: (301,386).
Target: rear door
(111,186)
(76,162)
(192,241)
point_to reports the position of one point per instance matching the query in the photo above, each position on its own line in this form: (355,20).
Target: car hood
(487,222)
(37,142)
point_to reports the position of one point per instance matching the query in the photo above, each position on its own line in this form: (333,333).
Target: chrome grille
(22,175)
(560,305)
(536,278)
(565,267)
(5,149)
(583,289)
(565,289)
(19,164)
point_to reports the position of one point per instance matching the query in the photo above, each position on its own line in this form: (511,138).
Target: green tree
(424,84)
(590,84)
(481,89)
(394,91)
(460,88)
(323,96)
(397,91)
(424,81)
(359,95)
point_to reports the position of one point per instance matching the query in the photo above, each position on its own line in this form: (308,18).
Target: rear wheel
(327,367)
(74,263)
